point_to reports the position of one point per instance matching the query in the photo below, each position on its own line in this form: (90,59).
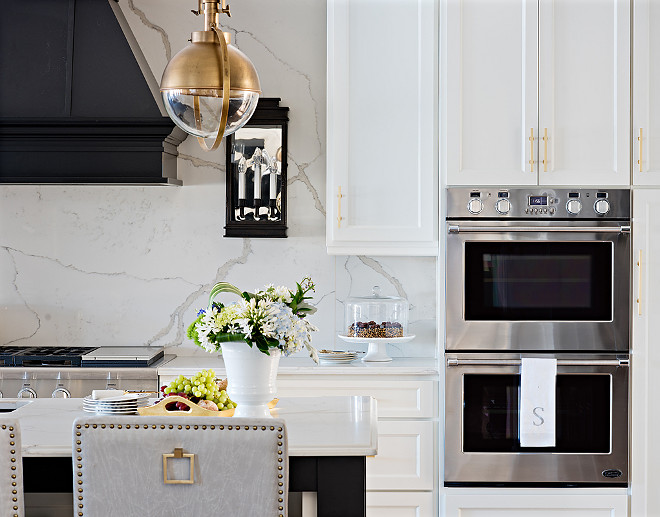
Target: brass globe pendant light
(210,88)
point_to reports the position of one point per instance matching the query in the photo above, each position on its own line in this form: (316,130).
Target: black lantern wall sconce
(256,174)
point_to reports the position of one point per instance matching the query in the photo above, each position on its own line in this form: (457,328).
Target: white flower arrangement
(273,317)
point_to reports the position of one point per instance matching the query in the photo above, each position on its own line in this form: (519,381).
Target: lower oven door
(482,433)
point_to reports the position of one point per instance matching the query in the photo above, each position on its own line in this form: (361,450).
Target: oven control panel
(538,203)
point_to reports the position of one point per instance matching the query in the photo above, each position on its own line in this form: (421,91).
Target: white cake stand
(377,346)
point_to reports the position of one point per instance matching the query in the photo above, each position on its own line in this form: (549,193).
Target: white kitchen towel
(538,381)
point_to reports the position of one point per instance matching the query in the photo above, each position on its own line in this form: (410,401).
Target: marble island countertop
(188,365)
(318,426)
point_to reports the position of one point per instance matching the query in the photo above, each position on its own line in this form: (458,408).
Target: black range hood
(78,102)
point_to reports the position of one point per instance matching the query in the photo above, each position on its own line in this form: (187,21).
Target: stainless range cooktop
(35,356)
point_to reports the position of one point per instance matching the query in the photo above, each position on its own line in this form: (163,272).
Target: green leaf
(306,307)
(223,287)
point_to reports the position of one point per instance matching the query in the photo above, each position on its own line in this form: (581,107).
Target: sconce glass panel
(256,176)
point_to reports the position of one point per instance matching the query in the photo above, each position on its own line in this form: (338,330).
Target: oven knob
(31,394)
(602,206)
(61,392)
(573,206)
(503,206)
(475,205)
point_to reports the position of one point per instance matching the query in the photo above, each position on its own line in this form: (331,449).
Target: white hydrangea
(266,313)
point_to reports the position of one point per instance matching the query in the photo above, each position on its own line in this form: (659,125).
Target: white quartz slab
(318,426)
(188,365)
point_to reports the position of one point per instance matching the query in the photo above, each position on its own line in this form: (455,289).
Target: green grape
(187,389)
(230,405)
(220,405)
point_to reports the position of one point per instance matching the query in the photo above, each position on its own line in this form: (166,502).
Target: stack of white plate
(123,405)
(336,356)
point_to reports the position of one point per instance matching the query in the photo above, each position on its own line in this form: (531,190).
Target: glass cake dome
(376,316)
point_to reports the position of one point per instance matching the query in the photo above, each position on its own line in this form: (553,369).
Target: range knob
(475,205)
(503,206)
(602,206)
(573,206)
(31,394)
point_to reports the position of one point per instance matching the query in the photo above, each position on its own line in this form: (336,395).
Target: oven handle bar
(452,361)
(454,228)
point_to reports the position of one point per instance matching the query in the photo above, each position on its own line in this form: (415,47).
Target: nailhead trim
(13,460)
(170,426)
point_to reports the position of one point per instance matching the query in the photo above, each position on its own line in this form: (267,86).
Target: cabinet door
(584,92)
(395,398)
(381,127)
(400,504)
(646,93)
(645,367)
(491,103)
(538,505)
(405,456)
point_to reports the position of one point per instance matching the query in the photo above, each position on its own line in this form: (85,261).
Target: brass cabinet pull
(640,140)
(178,453)
(639,284)
(545,149)
(531,149)
(339,217)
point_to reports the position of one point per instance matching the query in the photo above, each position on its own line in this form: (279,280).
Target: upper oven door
(523,285)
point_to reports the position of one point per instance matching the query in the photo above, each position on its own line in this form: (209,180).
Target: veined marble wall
(102,265)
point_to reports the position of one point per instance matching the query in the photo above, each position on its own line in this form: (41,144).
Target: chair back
(11,469)
(177,465)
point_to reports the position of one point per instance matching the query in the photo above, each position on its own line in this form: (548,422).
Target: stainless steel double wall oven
(537,272)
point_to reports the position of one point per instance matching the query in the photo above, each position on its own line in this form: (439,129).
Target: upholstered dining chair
(11,469)
(161,466)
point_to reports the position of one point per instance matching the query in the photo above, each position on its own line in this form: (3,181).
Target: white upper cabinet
(646,92)
(492,105)
(538,92)
(584,92)
(382,127)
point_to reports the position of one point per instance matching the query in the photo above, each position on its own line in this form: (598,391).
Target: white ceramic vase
(251,377)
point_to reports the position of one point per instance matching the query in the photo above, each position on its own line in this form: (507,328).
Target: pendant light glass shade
(192,86)
(180,107)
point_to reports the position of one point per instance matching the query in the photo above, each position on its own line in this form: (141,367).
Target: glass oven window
(538,281)
(490,414)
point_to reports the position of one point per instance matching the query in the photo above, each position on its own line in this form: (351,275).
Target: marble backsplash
(116,265)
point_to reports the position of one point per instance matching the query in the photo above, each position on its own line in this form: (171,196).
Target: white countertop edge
(336,452)
(32,451)
(424,366)
(318,426)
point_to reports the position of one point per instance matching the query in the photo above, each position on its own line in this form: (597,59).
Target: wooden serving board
(159,409)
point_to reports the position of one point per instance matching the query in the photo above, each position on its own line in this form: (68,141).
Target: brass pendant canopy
(196,67)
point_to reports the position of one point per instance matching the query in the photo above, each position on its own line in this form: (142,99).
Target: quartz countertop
(317,426)
(188,365)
